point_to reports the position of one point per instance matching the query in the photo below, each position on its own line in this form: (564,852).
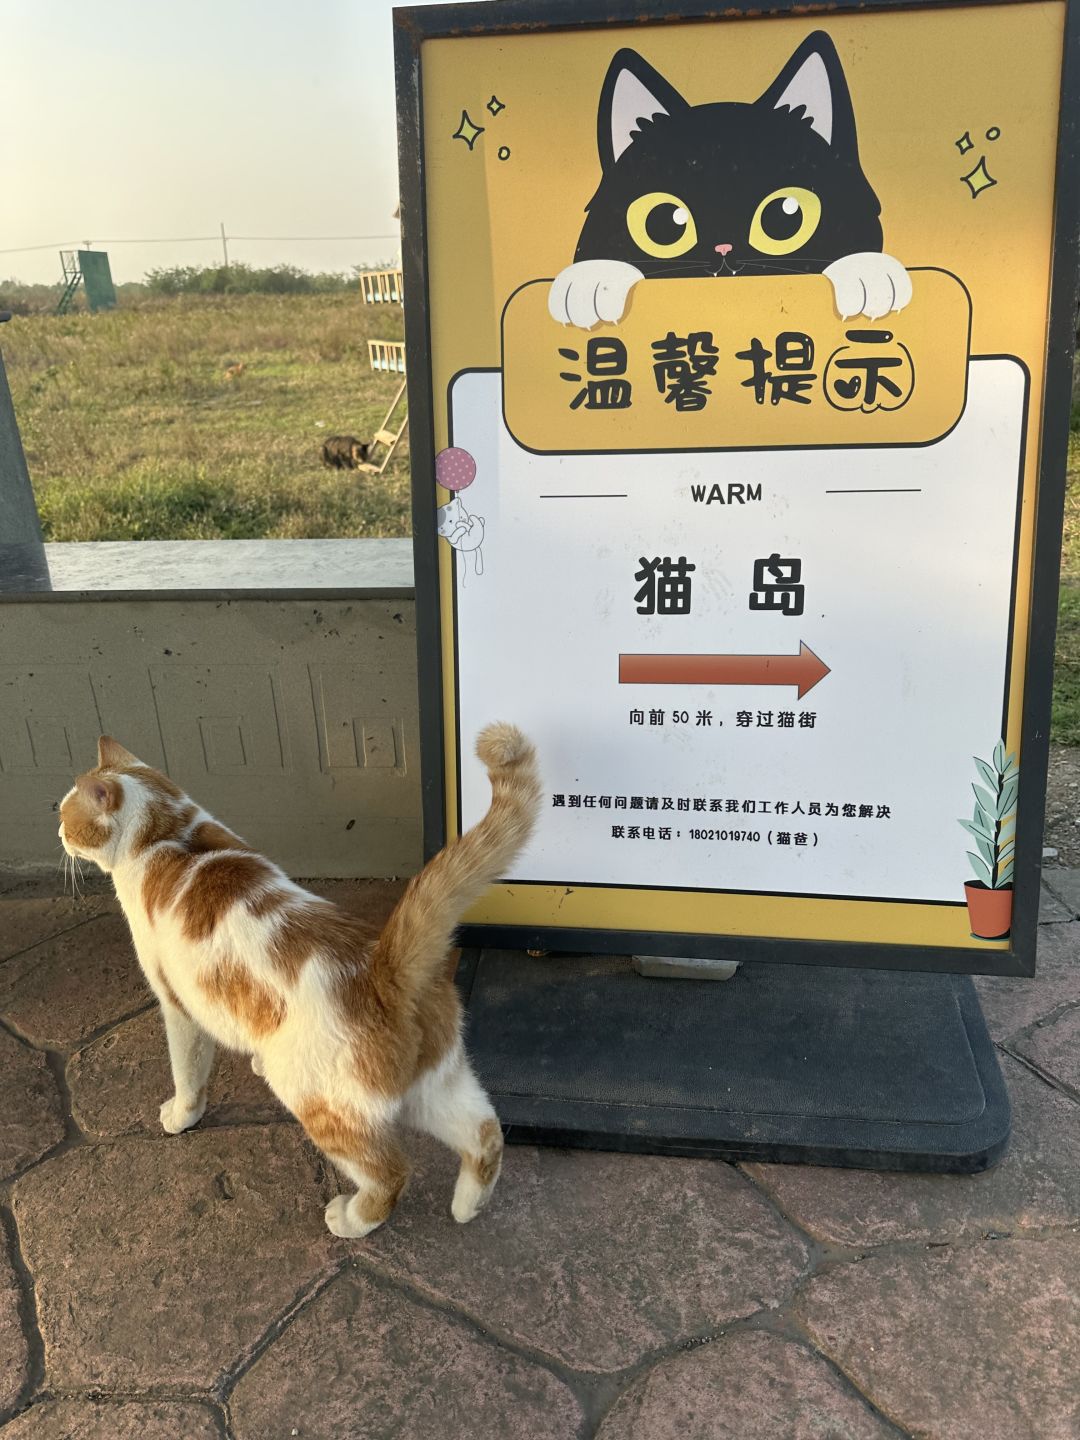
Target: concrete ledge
(275,681)
(218,569)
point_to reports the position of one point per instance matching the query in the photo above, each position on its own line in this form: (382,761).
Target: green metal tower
(91,269)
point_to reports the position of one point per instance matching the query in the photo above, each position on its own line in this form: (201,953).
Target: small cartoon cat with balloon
(773,187)
(465,532)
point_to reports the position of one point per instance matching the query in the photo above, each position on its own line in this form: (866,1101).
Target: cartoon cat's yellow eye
(785,220)
(661,225)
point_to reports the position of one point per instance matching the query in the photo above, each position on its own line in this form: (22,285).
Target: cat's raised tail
(415,940)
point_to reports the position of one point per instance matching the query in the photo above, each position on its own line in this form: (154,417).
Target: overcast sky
(130,119)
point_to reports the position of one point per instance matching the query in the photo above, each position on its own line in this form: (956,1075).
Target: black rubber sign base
(875,1069)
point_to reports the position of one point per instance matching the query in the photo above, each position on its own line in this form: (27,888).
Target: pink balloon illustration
(455,469)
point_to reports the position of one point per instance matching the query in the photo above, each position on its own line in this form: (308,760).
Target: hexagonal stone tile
(31,1118)
(1054,1046)
(1011,1004)
(363,1360)
(26,921)
(1036,1185)
(203,1240)
(1064,883)
(752,1386)
(1051,910)
(14,1355)
(119,1081)
(632,1252)
(63,990)
(959,1344)
(116,1420)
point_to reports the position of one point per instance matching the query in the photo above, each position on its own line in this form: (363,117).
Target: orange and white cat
(357,1032)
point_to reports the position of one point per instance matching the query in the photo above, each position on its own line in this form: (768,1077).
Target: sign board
(739,372)
(97,277)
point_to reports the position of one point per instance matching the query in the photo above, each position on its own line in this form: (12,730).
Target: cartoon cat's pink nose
(723,249)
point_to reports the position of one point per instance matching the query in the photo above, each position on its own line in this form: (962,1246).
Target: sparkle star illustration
(964,144)
(979,179)
(467,131)
(494,105)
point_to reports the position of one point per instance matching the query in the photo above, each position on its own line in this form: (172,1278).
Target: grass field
(132,431)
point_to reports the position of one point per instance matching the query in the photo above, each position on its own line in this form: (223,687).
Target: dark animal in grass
(344,452)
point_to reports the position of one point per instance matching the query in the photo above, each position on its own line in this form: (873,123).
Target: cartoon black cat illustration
(772,187)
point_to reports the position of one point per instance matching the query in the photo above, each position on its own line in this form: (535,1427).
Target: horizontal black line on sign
(911,490)
(606,496)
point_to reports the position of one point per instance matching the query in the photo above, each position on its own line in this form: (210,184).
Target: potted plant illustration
(993,825)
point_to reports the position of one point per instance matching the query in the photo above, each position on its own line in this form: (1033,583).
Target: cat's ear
(812,83)
(101,791)
(111,755)
(633,91)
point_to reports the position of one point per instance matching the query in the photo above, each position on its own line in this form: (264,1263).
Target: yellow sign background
(919,80)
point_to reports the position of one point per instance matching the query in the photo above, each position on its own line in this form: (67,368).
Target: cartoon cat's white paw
(176,1117)
(869,284)
(591,291)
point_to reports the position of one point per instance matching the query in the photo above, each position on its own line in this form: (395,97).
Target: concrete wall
(290,715)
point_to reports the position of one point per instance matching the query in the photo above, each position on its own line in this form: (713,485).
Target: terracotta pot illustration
(989,911)
(993,828)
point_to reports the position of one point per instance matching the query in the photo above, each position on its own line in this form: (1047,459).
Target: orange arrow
(803,670)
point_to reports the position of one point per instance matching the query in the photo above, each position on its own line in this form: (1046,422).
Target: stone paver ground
(184,1288)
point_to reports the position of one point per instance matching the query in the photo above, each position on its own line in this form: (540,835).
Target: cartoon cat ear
(111,755)
(812,83)
(633,91)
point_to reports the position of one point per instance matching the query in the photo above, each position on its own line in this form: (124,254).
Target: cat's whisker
(806,264)
(73,872)
(680,269)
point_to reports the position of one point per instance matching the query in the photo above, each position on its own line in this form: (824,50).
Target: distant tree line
(240,279)
(22,298)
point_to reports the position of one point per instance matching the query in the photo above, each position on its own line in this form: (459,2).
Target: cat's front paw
(258,1067)
(341,1219)
(869,284)
(590,292)
(176,1117)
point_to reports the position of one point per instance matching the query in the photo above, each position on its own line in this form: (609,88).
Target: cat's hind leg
(449,1103)
(191,1055)
(370,1157)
